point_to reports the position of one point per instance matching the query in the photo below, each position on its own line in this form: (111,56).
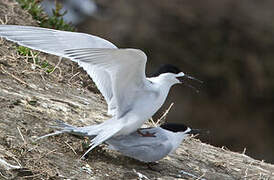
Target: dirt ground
(32,99)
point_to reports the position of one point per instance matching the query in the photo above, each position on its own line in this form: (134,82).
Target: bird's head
(176,127)
(172,74)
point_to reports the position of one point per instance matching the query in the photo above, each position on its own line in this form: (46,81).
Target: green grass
(44,64)
(33,56)
(24,51)
(48,67)
(54,22)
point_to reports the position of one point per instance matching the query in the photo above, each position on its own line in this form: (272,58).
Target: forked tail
(63,127)
(97,133)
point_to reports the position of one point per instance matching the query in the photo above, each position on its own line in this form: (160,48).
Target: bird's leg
(147,134)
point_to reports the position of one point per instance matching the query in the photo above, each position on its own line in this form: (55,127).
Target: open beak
(183,79)
(192,78)
(199,131)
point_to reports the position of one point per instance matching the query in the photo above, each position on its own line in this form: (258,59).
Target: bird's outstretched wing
(118,73)
(56,42)
(126,68)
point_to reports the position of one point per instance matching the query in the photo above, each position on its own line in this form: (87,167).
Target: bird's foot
(146,134)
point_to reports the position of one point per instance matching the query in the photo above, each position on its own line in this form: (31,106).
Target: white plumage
(119,74)
(165,141)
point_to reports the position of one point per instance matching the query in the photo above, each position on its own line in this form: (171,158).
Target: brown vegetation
(31,99)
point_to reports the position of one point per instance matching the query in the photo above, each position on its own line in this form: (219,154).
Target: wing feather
(126,68)
(147,149)
(55,42)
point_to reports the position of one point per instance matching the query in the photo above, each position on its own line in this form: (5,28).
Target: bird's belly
(144,108)
(130,127)
(135,119)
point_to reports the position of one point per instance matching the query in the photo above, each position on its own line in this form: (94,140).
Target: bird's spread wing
(56,42)
(126,68)
(51,41)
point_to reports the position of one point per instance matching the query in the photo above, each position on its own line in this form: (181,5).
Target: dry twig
(5,21)
(162,119)
(21,135)
(73,77)
(57,65)
(71,147)
(16,78)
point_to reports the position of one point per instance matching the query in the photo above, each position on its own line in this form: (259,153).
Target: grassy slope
(30,100)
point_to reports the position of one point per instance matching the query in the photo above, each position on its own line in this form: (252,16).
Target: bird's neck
(161,84)
(161,87)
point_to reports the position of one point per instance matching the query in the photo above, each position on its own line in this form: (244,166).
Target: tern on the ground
(119,74)
(166,140)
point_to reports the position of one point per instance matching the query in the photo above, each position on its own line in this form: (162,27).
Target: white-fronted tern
(165,141)
(119,74)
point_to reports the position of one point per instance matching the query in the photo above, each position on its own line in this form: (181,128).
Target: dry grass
(31,99)
(161,120)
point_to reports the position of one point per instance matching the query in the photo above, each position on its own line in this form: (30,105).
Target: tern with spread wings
(119,74)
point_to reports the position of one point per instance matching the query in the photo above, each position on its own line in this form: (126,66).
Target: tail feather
(97,133)
(63,127)
(90,131)
(105,134)
(51,134)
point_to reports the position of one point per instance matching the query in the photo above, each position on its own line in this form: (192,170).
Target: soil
(32,99)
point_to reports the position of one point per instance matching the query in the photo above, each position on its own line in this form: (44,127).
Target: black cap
(166,68)
(174,127)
